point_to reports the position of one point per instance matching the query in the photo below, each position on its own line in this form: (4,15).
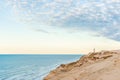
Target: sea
(31,67)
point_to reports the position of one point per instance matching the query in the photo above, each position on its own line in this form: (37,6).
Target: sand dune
(104,65)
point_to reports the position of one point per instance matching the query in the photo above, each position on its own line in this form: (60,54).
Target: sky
(59,26)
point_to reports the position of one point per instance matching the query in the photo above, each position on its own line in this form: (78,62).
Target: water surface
(31,67)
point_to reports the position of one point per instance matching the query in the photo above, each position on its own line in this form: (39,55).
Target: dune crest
(104,65)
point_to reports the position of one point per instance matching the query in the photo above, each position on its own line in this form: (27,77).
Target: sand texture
(104,65)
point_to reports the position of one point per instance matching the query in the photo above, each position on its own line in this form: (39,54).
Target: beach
(103,65)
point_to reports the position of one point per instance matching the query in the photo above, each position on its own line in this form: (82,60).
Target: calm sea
(31,67)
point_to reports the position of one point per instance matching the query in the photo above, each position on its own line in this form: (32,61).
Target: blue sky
(59,26)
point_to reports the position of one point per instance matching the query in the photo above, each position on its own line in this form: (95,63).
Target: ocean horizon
(31,66)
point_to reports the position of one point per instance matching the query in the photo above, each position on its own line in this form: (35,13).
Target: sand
(103,65)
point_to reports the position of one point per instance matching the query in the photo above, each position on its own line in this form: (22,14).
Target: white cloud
(98,15)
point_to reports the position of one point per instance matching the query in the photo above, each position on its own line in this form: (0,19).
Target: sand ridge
(103,65)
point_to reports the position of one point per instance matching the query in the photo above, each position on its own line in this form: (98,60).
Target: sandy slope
(104,65)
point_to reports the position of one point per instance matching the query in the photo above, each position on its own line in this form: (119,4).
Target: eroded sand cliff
(104,65)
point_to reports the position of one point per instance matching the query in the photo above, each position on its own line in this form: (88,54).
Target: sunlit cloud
(101,16)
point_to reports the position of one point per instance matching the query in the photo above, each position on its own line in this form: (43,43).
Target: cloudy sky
(59,26)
